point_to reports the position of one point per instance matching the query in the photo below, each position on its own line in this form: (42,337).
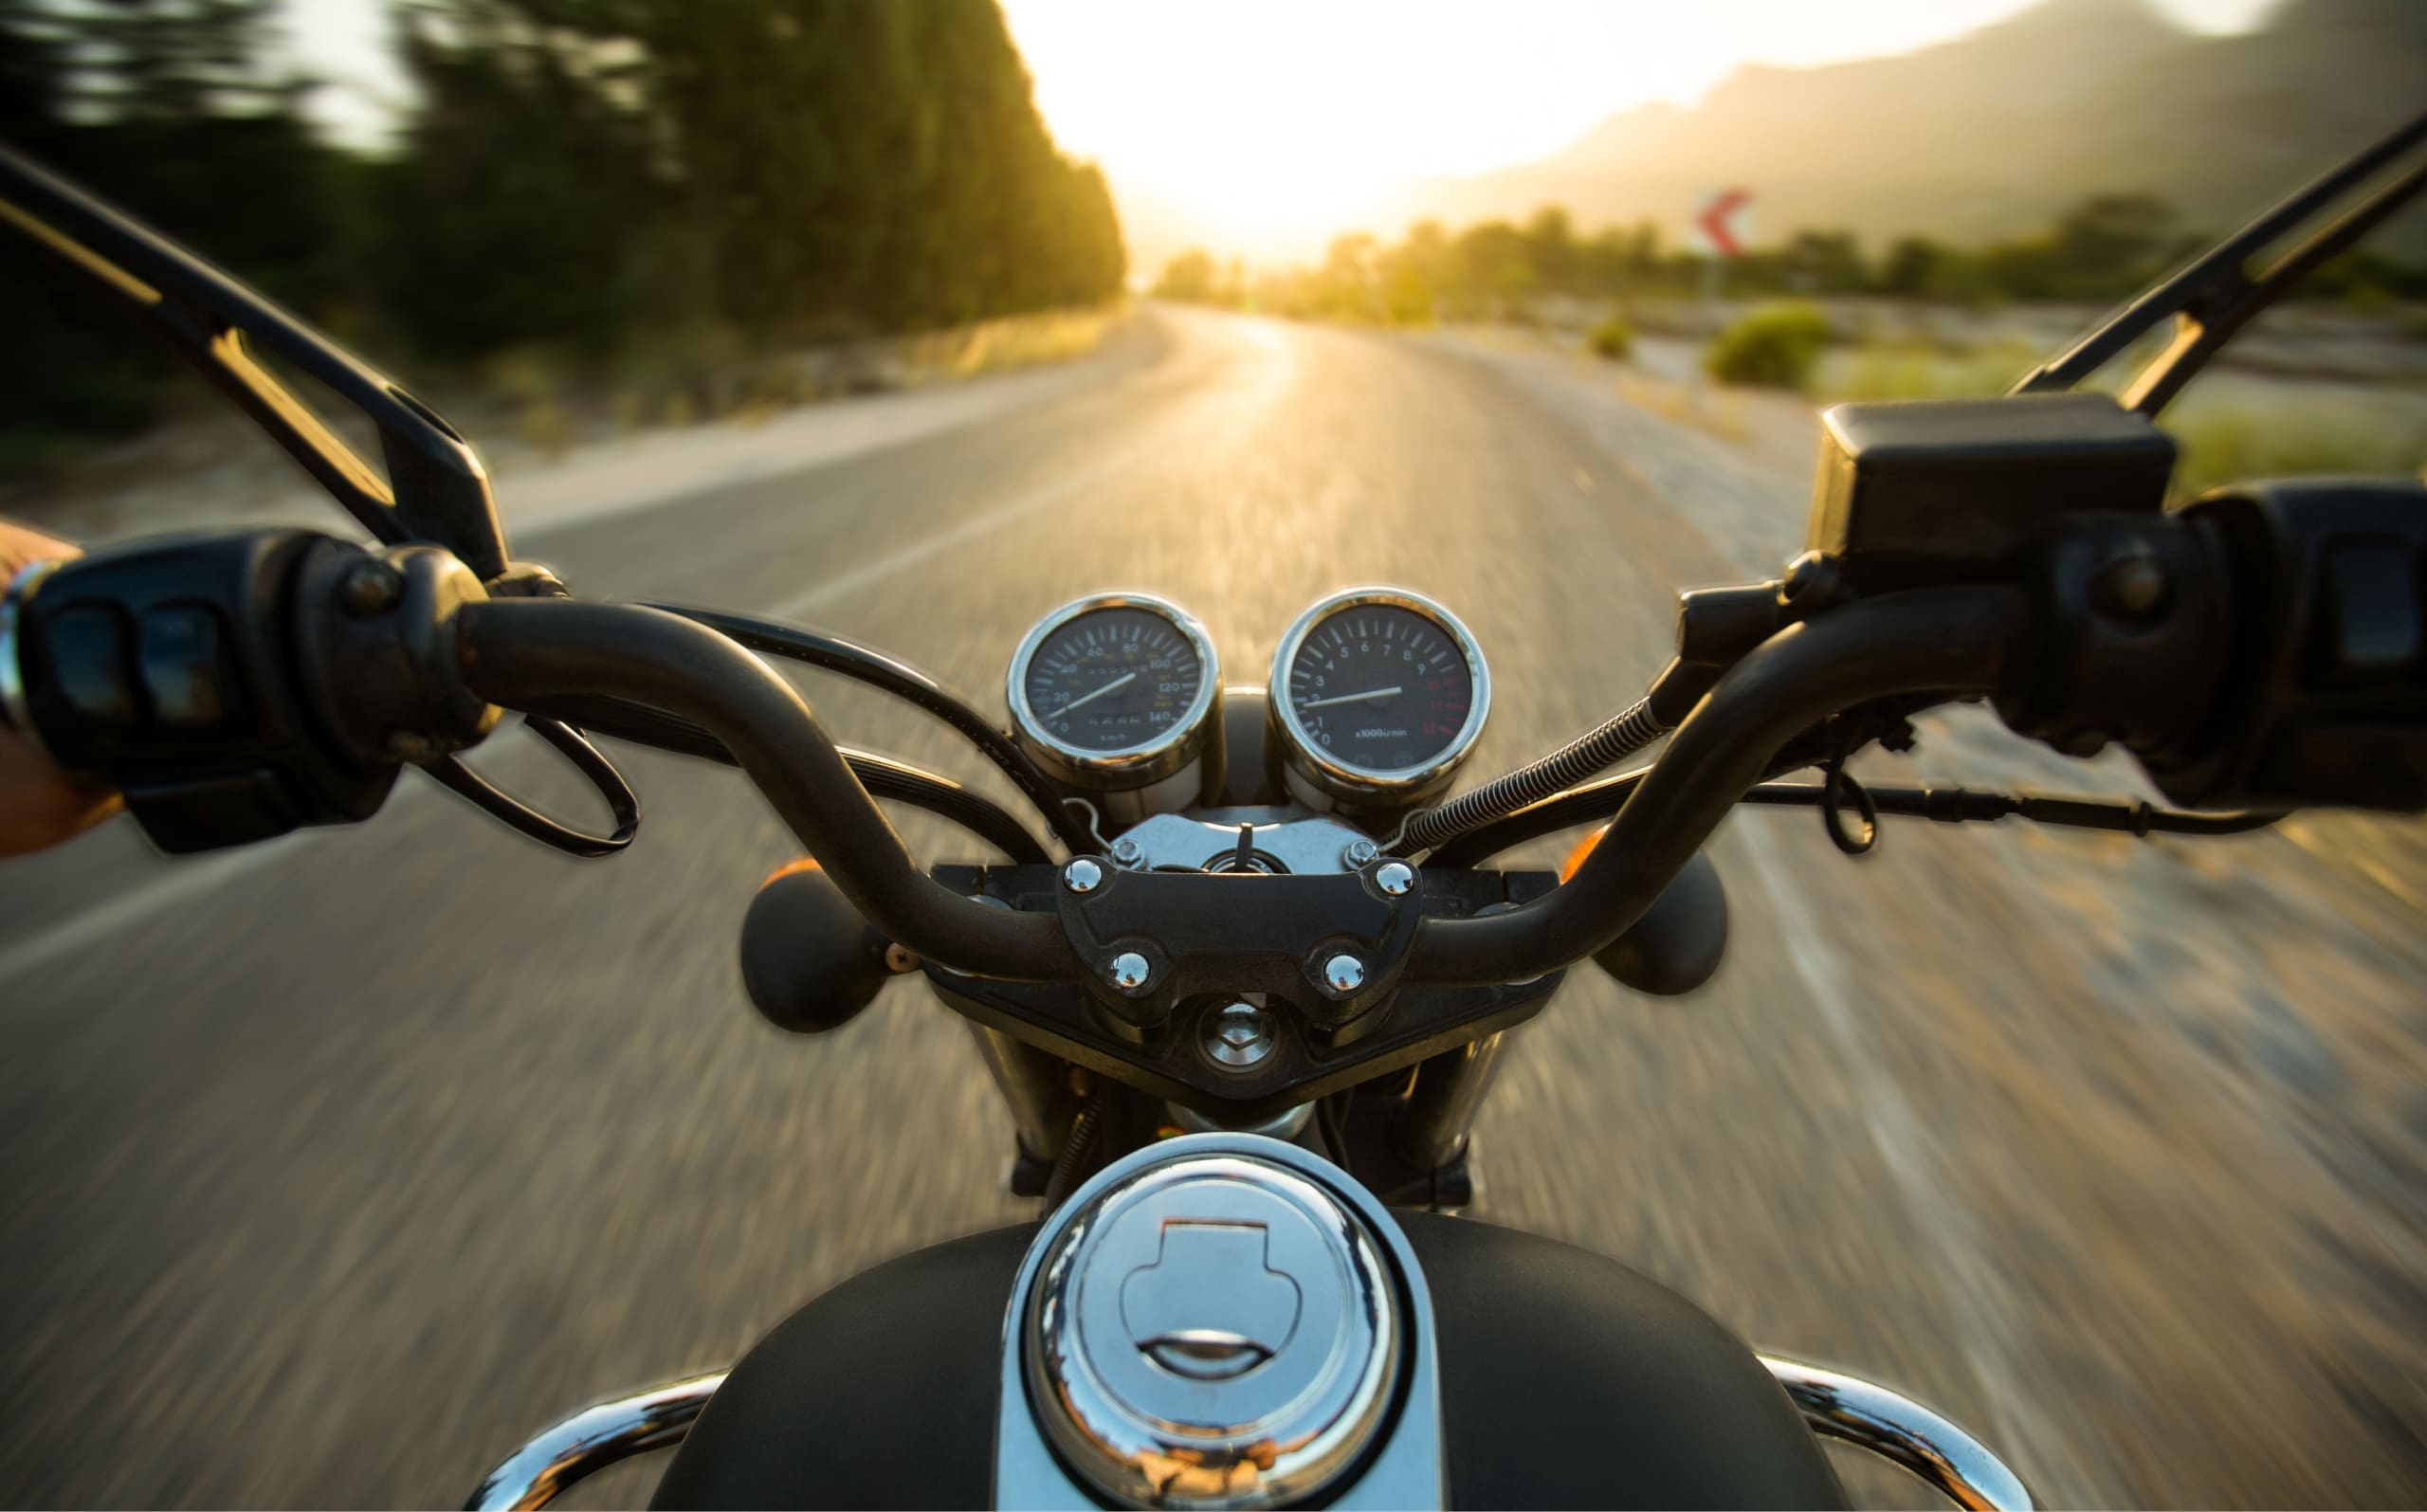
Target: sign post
(1722,222)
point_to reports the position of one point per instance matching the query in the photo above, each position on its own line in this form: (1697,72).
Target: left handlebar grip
(239,684)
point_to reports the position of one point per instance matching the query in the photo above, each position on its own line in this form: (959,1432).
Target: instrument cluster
(1375,695)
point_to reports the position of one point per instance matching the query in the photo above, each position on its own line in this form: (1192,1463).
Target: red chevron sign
(1712,231)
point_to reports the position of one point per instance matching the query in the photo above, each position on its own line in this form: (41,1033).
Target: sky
(1258,124)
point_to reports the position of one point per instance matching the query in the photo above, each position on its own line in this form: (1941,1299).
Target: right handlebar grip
(2325,700)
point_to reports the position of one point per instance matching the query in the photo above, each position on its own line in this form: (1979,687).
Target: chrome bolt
(1127,854)
(1395,878)
(1083,875)
(1343,973)
(1358,854)
(1128,972)
(1238,1035)
(371,587)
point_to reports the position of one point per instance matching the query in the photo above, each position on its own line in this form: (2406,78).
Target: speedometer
(1379,693)
(1116,692)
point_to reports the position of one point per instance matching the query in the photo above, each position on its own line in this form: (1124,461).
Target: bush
(1921,369)
(2224,443)
(1612,338)
(1776,346)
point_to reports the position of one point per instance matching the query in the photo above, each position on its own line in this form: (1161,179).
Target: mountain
(1992,134)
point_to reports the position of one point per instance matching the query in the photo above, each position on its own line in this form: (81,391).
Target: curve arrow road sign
(1718,225)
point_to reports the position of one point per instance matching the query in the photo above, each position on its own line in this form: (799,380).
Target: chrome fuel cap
(1217,1330)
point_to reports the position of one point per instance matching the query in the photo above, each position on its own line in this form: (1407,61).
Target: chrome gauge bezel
(1348,780)
(1134,766)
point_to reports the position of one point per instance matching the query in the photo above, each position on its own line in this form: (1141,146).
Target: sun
(1264,127)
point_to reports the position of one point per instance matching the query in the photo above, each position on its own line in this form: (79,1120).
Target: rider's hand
(40,804)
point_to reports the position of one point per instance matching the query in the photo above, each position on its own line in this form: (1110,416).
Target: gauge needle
(1351,697)
(1121,682)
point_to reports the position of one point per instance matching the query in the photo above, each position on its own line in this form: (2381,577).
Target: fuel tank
(1563,1379)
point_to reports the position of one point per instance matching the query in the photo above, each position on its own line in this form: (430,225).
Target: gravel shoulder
(2156,1111)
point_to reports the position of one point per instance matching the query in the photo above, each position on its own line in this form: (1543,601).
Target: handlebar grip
(239,684)
(2326,704)
(2263,647)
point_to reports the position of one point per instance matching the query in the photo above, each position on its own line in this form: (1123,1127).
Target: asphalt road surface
(333,1167)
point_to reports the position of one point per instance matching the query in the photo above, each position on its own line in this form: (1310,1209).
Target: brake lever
(435,491)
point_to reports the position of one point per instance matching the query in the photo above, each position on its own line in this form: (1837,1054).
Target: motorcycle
(1245,998)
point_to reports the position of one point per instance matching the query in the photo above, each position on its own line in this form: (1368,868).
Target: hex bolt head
(1343,973)
(1396,879)
(371,587)
(2130,586)
(1358,854)
(1238,1035)
(1127,854)
(1128,972)
(1083,875)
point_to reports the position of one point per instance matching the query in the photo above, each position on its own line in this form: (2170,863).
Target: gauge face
(1112,684)
(1384,685)
(1112,678)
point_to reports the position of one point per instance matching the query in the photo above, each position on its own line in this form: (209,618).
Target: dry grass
(1016,341)
(2228,432)
(675,396)
(2226,442)
(1693,402)
(1912,370)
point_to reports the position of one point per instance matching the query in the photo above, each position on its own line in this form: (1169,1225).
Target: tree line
(2107,246)
(659,184)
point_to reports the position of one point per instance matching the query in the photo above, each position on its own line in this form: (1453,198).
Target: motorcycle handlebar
(1952,641)
(514,651)
(2258,648)
(1949,641)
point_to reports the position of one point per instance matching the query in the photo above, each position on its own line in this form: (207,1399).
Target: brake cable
(832,653)
(1599,800)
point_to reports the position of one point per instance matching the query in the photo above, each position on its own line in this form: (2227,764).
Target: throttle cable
(1659,711)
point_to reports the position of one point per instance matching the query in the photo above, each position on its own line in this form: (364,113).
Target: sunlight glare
(1266,125)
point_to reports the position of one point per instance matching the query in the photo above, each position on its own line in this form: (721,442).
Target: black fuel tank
(1567,1380)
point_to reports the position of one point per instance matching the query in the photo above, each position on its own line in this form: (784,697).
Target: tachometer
(1117,692)
(1379,694)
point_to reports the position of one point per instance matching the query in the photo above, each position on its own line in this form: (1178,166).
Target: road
(334,1166)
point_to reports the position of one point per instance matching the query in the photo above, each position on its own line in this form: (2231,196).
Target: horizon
(1356,100)
(1141,88)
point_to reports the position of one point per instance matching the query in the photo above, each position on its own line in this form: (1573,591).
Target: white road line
(877,568)
(185,879)
(189,880)
(121,913)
